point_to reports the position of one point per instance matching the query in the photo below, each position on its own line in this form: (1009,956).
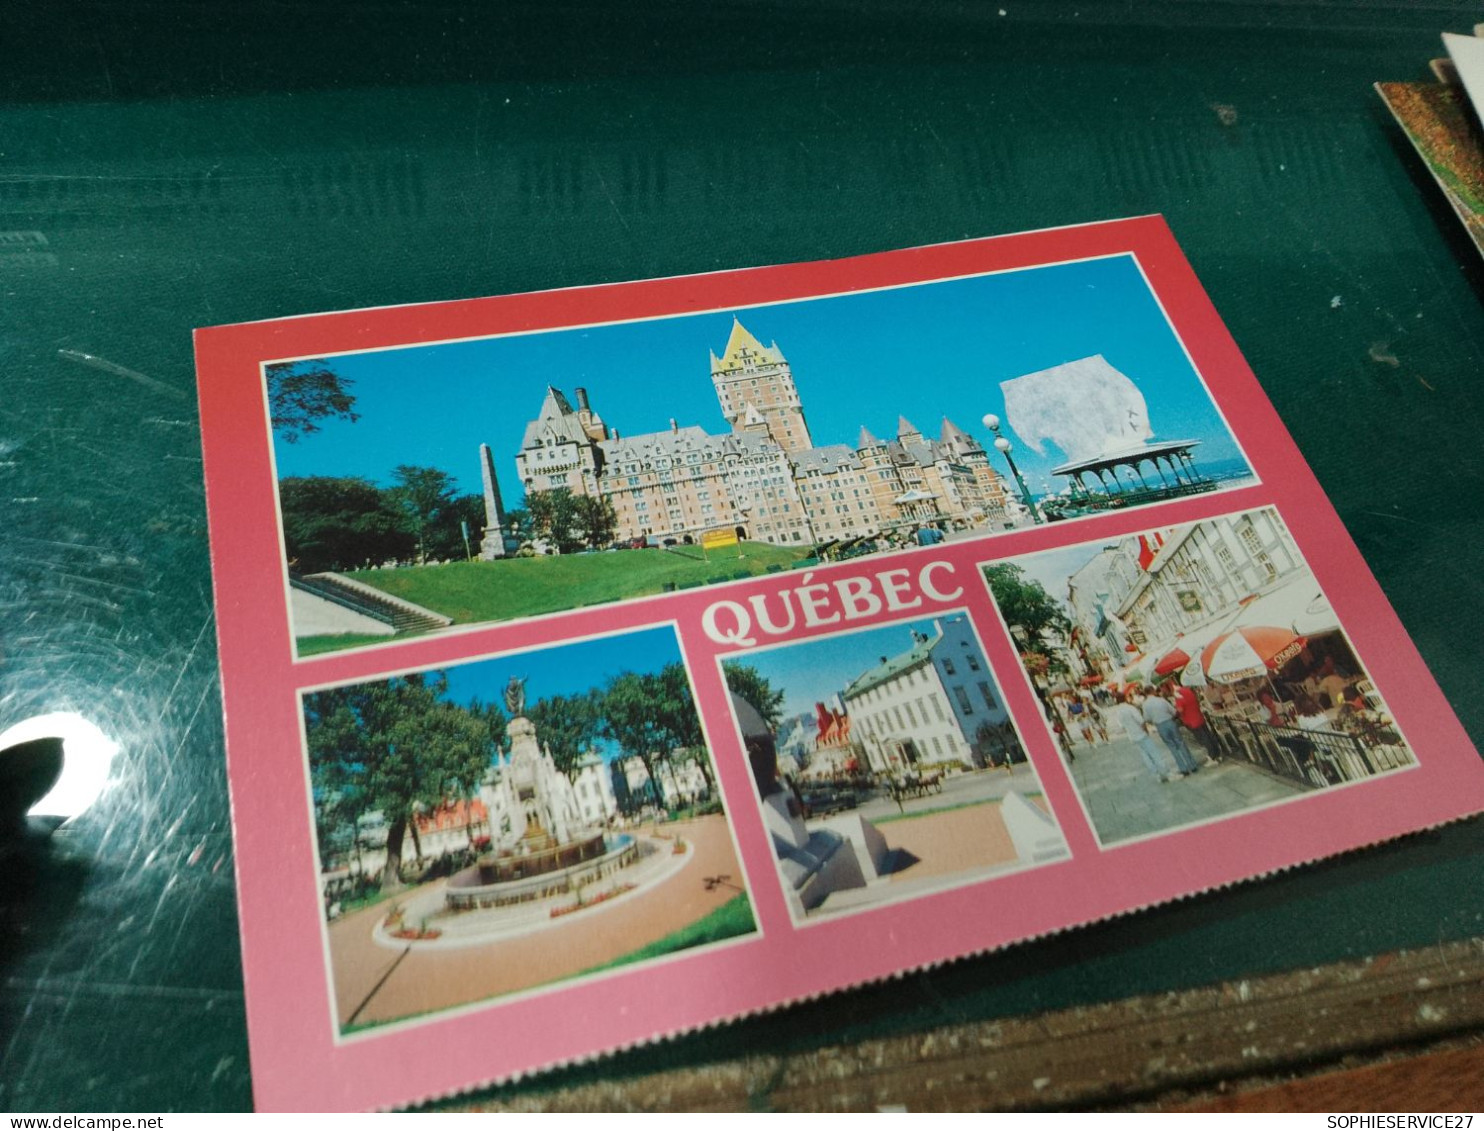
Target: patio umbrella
(1298,604)
(1192,675)
(1171,662)
(1245,653)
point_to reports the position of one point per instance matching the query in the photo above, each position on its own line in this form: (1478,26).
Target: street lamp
(1002,445)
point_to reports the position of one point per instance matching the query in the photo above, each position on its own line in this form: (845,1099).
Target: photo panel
(498,478)
(1188,673)
(886,765)
(516,821)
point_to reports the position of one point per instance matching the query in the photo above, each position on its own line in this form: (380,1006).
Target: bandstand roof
(1131,454)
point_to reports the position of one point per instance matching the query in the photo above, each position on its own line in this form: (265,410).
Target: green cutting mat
(164,167)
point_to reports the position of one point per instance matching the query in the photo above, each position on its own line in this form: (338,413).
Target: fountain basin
(502,880)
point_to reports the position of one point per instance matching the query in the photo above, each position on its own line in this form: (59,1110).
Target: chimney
(581,400)
(673,426)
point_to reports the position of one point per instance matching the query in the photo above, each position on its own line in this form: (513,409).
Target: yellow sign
(715,539)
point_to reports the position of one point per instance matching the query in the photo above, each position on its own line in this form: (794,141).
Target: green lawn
(732,918)
(474,592)
(314,645)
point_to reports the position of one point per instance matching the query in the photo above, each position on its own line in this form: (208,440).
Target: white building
(1148,589)
(926,704)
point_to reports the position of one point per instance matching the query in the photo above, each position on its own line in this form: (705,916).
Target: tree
(593,521)
(1026,603)
(747,682)
(331,523)
(629,719)
(301,394)
(394,746)
(570,522)
(676,711)
(448,540)
(568,725)
(426,496)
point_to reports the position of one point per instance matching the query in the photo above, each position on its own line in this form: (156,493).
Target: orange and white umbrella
(1246,653)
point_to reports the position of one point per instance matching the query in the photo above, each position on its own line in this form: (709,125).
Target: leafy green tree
(1025,602)
(746,681)
(568,726)
(630,719)
(676,709)
(518,522)
(395,746)
(571,522)
(593,521)
(448,539)
(492,717)
(426,496)
(331,523)
(301,394)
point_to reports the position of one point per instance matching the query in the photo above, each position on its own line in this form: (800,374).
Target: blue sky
(571,669)
(924,352)
(813,671)
(1052,568)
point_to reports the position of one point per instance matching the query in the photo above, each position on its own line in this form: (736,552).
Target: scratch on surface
(1383,514)
(118,371)
(84,986)
(611,202)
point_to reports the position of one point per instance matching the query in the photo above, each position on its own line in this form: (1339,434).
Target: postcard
(604,663)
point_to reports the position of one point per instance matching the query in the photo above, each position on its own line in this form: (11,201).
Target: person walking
(1188,708)
(1158,713)
(1127,717)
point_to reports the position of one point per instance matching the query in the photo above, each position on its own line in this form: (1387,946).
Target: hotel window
(988,695)
(973,662)
(963,700)
(948,667)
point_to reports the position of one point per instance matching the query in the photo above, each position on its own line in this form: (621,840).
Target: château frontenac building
(764,479)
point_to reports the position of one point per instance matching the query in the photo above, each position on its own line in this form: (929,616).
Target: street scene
(886,765)
(513,822)
(532,474)
(1192,672)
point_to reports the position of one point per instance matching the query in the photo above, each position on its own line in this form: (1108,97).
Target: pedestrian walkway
(1124,801)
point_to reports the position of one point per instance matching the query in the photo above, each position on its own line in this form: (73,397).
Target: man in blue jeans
(1158,712)
(1126,714)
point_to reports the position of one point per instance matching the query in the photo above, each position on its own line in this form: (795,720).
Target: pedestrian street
(1124,801)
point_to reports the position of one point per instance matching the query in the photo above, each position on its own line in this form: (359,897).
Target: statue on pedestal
(515,696)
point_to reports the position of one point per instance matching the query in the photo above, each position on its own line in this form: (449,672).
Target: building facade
(1144,591)
(764,479)
(926,704)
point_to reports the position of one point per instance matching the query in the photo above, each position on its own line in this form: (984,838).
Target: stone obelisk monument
(492,545)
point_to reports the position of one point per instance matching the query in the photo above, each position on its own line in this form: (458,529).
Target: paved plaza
(969,788)
(1124,801)
(374,984)
(957,836)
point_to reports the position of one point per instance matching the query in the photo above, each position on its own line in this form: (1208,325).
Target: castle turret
(749,373)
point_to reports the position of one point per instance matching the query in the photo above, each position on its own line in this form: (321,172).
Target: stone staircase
(402,615)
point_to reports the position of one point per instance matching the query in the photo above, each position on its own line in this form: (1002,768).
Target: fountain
(547,859)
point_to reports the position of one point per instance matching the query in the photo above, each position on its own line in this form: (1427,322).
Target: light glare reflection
(87,756)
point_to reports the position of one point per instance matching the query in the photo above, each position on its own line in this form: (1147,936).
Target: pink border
(298,1064)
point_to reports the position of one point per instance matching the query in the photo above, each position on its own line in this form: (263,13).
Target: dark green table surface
(193,164)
